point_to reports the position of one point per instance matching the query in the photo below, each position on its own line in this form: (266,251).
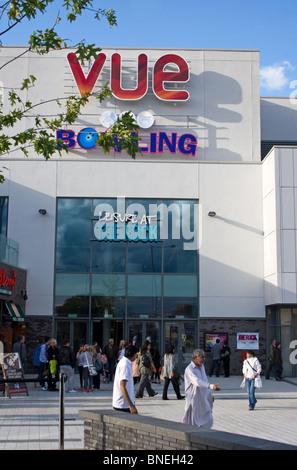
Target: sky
(269,26)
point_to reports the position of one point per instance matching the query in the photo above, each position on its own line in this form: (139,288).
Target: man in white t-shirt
(123,398)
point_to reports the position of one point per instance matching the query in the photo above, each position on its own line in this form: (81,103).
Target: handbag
(53,366)
(92,369)
(98,366)
(258,380)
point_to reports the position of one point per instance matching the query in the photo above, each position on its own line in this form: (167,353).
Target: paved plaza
(32,422)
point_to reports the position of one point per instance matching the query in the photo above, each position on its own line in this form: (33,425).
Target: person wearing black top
(225,355)
(53,376)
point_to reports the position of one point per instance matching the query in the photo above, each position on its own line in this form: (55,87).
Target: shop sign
(247,340)
(160,77)
(121,227)
(86,138)
(7,283)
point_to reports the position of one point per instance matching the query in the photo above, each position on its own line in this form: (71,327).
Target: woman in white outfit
(251,371)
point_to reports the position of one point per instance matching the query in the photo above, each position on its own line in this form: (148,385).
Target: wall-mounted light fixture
(24,294)
(42,211)
(212,214)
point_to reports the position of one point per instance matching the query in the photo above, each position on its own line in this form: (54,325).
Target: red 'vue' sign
(160,77)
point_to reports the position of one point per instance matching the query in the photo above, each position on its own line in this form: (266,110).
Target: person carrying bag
(251,372)
(171,374)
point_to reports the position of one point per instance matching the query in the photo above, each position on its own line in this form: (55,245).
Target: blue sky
(265,25)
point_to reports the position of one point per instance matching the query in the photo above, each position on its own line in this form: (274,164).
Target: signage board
(247,341)
(12,369)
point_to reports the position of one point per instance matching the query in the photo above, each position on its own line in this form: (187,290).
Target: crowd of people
(134,369)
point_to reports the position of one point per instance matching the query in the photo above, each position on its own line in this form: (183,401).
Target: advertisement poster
(12,369)
(247,341)
(210,339)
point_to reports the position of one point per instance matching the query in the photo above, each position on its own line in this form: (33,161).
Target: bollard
(61,411)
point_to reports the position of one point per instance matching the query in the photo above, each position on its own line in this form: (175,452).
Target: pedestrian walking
(199,399)
(123,397)
(171,374)
(87,360)
(111,352)
(251,372)
(216,358)
(145,364)
(270,367)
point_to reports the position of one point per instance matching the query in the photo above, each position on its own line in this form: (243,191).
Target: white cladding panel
(222,112)
(280,226)
(231,244)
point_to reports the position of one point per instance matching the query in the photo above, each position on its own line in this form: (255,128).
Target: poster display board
(12,369)
(210,339)
(247,341)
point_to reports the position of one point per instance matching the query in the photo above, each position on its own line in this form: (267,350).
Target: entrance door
(139,331)
(76,331)
(103,330)
(183,337)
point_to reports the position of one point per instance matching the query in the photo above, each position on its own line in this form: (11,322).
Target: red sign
(6,281)
(160,77)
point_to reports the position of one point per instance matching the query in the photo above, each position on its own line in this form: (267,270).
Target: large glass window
(154,274)
(3,215)
(108,295)
(73,235)
(72,295)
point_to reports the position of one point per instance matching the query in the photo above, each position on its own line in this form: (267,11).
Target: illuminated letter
(86,85)
(160,77)
(142,79)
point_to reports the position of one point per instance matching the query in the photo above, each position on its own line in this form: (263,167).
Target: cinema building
(195,237)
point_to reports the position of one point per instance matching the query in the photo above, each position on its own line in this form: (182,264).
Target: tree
(41,135)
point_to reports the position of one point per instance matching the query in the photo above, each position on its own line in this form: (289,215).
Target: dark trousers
(215,365)
(144,383)
(175,385)
(43,367)
(226,365)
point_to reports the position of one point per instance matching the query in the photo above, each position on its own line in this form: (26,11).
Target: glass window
(285,314)
(73,235)
(144,296)
(108,256)
(72,295)
(180,307)
(161,275)
(180,219)
(144,285)
(3,215)
(108,295)
(144,257)
(180,286)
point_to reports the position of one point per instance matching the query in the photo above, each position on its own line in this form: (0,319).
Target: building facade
(196,236)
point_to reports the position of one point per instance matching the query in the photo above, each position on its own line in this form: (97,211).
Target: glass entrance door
(183,337)
(139,331)
(75,331)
